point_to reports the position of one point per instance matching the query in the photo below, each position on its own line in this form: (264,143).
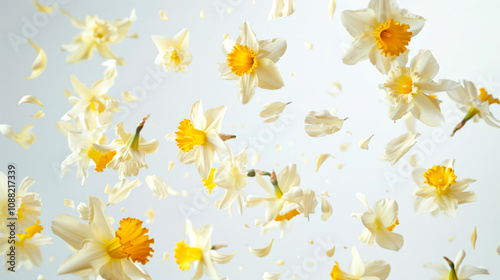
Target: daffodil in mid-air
(475,103)
(361,270)
(381,32)
(456,271)
(380,223)
(438,189)
(252,62)
(198,137)
(200,252)
(173,52)
(131,150)
(97,33)
(111,254)
(408,88)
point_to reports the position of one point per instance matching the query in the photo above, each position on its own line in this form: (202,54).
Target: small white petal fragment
(40,277)
(255,158)
(7,130)
(363,143)
(413,160)
(272,119)
(330,252)
(165,257)
(262,252)
(201,14)
(30,99)
(122,190)
(151,215)
(110,72)
(159,187)
(272,276)
(451,238)
(221,258)
(69,203)
(331,7)
(498,250)
(308,45)
(106,189)
(40,62)
(171,165)
(320,159)
(326,209)
(44,9)
(280,262)
(39,114)
(128,97)
(473,238)
(399,146)
(84,211)
(163,16)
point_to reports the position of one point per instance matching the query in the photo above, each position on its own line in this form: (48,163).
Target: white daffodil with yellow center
(282,8)
(361,270)
(173,52)
(131,150)
(200,251)
(199,137)
(252,62)
(27,246)
(408,88)
(381,32)
(380,223)
(456,271)
(438,189)
(232,176)
(93,105)
(475,103)
(97,33)
(84,154)
(111,254)
(283,201)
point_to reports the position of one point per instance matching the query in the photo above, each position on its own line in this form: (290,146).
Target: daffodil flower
(93,105)
(252,62)
(380,223)
(199,137)
(381,32)
(438,189)
(475,103)
(455,270)
(361,270)
(173,52)
(408,88)
(200,251)
(282,8)
(111,254)
(131,150)
(97,33)
(283,201)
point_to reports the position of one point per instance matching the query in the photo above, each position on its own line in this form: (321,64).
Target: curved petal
(226,73)
(382,62)
(69,229)
(359,50)
(389,240)
(93,255)
(185,157)
(387,211)
(425,65)
(357,266)
(288,178)
(133,271)
(268,75)
(214,118)
(197,116)
(415,22)
(439,86)
(272,49)
(181,40)
(99,225)
(418,176)
(380,269)
(398,110)
(247,37)
(427,110)
(203,159)
(358,22)
(247,84)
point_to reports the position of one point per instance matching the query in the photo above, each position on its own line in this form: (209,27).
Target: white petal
(399,146)
(262,252)
(247,37)
(427,110)
(326,209)
(425,65)
(30,99)
(359,49)
(122,190)
(320,159)
(268,75)
(363,143)
(159,187)
(271,109)
(221,258)
(272,49)
(39,63)
(247,84)
(272,276)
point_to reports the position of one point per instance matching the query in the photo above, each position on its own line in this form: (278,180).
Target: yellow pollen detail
(392,37)
(440,177)
(484,96)
(391,227)
(336,272)
(175,56)
(131,242)
(405,85)
(242,60)
(188,136)
(209,182)
(100,159)
(185,255)
(288,216)
(30,231)
(432,96)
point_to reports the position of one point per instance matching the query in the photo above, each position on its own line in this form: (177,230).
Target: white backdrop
(462,35)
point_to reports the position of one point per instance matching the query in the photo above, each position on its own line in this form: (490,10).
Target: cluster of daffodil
(382,34)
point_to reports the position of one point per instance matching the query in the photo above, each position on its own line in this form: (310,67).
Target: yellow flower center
(440,177)
(242,60)
(288,216)
(404,85)
(391,227)
(174,56)
(131,242)
(392,37)
(336,273)
(484,96)
(185,255)
(96,105)
(100,159)
(188,136)
(30,231)
(209,182)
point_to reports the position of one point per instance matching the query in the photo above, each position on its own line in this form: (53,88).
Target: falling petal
(151,215)
(344,146)
(122,190)
(326,209)
(473,238)
(255,158)
(201,14)
(272,119)
(39,114)
(171,165)
(272,276)
(110,72)
(165,257)
(163,16)
(399,146)
(43,8)
(159,187)
(7,130)
(262,252)
(280,262)
(320,159)
(308,45)
(69,203)
(331,7)
(330,252)
(363,143)
(128,97)
(40,62)
(30,99)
